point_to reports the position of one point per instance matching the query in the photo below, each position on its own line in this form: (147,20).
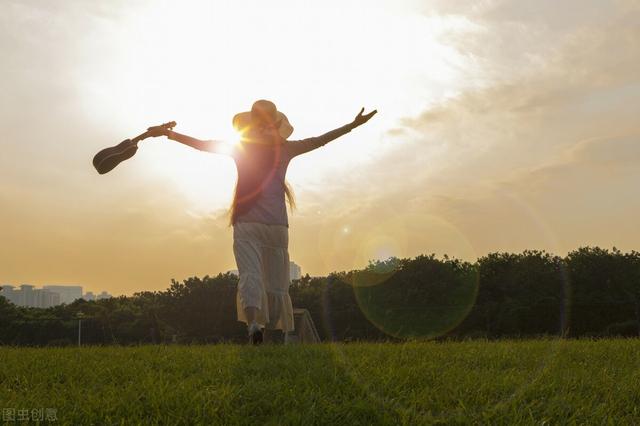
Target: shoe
(255,334)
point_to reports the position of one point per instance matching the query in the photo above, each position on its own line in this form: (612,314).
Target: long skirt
(262,256)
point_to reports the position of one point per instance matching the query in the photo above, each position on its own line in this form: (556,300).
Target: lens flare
(386,288)
(379,308)
(420,298)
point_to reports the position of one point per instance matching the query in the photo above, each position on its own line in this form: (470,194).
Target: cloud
(618,152)
(540,151)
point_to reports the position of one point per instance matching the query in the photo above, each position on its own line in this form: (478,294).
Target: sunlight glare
(181,68)
(230,142)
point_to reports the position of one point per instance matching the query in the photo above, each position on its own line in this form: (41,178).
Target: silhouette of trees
(604,288)
(590,292)
(518,294)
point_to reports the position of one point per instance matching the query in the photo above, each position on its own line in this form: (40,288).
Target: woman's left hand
(361,119)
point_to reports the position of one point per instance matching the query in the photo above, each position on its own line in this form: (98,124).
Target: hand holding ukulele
(105,160)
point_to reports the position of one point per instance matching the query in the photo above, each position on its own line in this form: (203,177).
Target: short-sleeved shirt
(270,207)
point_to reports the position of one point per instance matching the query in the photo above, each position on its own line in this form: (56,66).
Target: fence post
(79,329)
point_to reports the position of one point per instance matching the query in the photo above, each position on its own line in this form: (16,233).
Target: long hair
(257,165)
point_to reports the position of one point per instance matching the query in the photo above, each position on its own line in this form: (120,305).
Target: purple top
(269,207)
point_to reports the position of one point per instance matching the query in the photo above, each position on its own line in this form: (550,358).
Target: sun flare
(202,96)
(230,142)
(205,180)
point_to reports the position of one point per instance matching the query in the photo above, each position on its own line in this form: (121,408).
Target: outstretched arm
(306,145)
(209,145)
(202,145)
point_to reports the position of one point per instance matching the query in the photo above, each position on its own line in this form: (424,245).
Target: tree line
(591,292)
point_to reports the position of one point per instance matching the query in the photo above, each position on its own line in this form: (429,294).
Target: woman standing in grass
(259,213)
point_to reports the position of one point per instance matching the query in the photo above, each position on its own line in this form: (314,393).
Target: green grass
(476,382)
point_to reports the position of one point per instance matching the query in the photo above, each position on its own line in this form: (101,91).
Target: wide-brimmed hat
(263,111)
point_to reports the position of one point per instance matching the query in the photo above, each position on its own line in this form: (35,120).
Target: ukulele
(108,158)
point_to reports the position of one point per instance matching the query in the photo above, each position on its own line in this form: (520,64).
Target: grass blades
(475,382)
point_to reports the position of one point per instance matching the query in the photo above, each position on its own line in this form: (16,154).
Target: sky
(501,126)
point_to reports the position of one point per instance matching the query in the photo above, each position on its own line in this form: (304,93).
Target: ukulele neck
(140,137)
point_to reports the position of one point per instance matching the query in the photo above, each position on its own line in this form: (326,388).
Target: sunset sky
(502,126)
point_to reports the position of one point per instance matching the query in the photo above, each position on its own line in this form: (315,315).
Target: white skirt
(262,256)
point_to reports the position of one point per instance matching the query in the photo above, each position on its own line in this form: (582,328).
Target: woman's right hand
(161,130)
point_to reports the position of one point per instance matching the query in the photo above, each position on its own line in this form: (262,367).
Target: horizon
(235,271)
(501,126)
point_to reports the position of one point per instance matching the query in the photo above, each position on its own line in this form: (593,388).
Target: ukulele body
(105,160)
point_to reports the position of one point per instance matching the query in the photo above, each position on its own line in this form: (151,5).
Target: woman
(259,213)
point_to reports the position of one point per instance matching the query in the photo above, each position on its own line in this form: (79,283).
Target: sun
(204,181)
(230,142)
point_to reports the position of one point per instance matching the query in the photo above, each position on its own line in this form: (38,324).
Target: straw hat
(262,112)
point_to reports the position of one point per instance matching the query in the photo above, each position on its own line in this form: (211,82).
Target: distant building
(103,295)
(26,296)
(30,297)
(234,272)
(55,299)
(8,293)
(48,295)
(44,298)
(295,271)
(68,293)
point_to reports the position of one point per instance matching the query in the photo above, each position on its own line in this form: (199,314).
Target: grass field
(475,382)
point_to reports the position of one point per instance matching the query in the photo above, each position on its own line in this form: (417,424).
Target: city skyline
(27,295)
